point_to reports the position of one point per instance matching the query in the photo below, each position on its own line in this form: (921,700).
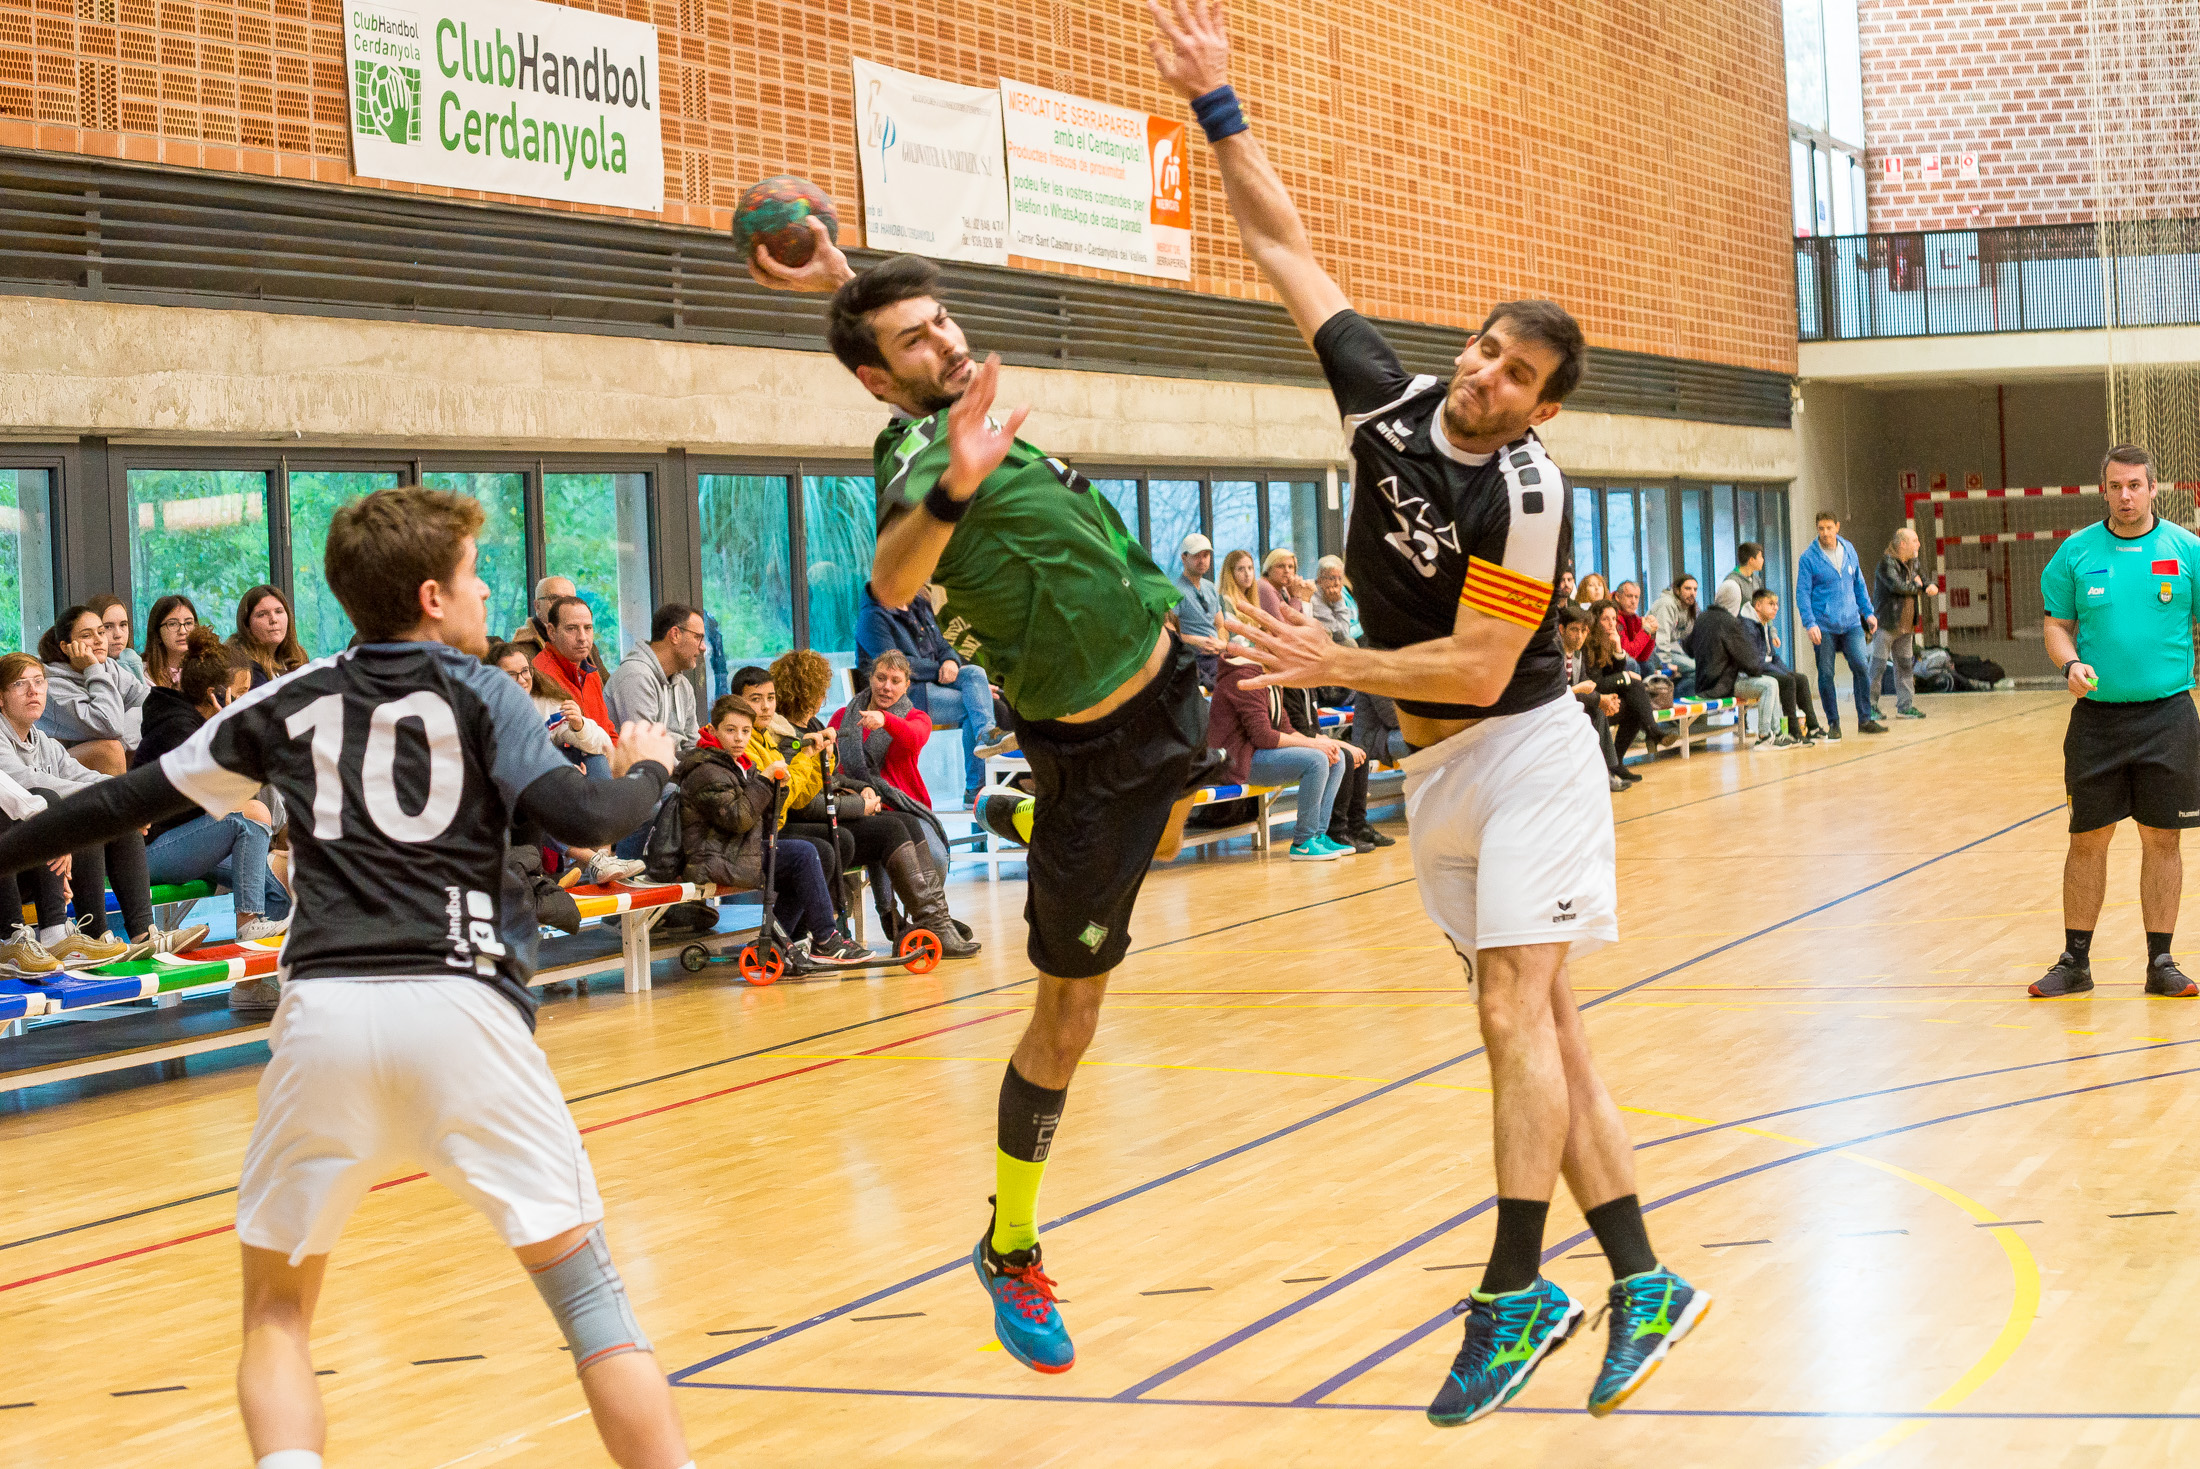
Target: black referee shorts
(1102,796)
(2140,761)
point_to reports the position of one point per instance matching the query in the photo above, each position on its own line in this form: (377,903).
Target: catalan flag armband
(1495,592)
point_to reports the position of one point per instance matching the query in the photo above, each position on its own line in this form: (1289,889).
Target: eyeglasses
(25,685)
(179,624)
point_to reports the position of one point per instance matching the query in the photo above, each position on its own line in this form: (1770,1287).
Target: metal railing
(2031,278)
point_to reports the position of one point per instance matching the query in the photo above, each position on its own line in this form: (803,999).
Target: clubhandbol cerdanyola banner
(506,96)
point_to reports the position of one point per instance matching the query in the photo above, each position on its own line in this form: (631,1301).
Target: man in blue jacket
(950,690)
(1836,603)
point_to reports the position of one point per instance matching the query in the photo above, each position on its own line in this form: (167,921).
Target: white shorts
(1511,825)
(372,1076)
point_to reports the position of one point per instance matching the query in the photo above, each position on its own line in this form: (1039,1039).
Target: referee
(2120,600)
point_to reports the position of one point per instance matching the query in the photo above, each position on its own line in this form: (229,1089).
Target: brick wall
(1626,157)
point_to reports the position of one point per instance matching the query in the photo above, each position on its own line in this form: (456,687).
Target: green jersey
(1045,588)
(2133,602)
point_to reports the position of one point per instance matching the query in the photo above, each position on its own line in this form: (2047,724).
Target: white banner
(508,96)
(933,180)
(1094,184)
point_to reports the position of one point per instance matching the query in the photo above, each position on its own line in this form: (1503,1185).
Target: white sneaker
(24,956)
(253,930)
(608,866)
(169,941)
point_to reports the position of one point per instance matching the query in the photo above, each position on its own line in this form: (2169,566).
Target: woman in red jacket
(1248,725)
(881,735)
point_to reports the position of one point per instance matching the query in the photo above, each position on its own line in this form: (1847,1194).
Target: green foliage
(747,553)
(597,531)
(201,532)
(26,556)
(840,527)
(501,546)
(315,497)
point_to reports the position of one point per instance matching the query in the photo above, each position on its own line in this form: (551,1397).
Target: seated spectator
(231,850)
(1200,606)
(1573,638)
(881,734)
(851,815)
(1638,636)
(166,631)
(22,955)
(1347,827)
(94,706)
(1332,605)
(1241,587)
(1730,661)
(1375,728)
(38,763)
(582,741)
(1675,611)
(947,689)
(651,683)
(534,633)
(1749,571)
(1591,591)
(725,810)
(1249,726)
(568,667)
(267,634)
(1759,619)
(114,621)
(1280,569)
(1565,586)
(1616,673)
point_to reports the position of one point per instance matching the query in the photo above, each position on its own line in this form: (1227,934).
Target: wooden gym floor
(1945,1224)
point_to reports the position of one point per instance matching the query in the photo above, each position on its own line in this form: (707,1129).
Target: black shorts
(1102,796)
(2133,760)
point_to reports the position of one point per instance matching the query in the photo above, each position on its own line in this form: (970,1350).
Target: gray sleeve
(523,752)
(631,694)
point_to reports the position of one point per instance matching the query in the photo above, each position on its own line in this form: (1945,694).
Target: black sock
(1028,1116)
(1517,1256)
(2157,946)
(2078,943)
(1619,1228)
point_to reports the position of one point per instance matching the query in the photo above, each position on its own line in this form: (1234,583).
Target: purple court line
(681,1377)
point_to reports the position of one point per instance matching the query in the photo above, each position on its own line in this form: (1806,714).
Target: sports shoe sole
(1696,1310)
(2188,992)
(2033,990)
(1551,1343)
(977,1263)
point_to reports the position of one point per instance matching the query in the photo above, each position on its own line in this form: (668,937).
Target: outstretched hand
(1192,47)
(826,270)
(1293,649)
(975,445)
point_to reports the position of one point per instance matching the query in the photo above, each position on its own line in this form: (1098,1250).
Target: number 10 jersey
(399,765)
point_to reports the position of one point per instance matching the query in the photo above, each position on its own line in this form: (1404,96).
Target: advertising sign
(933,179)
(507,96)
(1094,184)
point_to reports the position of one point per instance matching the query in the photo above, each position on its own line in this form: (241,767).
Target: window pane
(840,527)
(1237,519)
(1745,517)
(748,568)
(501,546)
(1123,495)
(1775,526)
(1619,538)
(1294,520)
(1174,505)
(596,529)
(1586,558)
(26,555)
(200,532)
(1657,544)
(315,496)
(1723,539)
(1695,559)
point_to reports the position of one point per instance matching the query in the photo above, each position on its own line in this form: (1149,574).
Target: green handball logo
(388,101)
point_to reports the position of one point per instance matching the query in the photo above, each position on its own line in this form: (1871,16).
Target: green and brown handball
(772,216)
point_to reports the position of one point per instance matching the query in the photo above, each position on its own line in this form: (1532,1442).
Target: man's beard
(1503,428)
(931,394)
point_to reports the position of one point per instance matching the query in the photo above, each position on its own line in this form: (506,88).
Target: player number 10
(323,719)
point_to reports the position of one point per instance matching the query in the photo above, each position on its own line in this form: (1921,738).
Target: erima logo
(1566,913)
(1395,432)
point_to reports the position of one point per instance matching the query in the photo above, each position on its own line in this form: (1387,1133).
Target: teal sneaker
(1025,1319)
(1507,1337)
(1649,1312)
(1342,849)
(1316,849)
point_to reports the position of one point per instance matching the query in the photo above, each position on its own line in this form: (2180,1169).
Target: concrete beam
(1993,357)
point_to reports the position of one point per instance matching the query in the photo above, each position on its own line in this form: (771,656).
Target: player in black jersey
(405,1030)
(1460,530)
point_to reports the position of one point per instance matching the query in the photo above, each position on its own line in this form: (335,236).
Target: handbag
(1660,690)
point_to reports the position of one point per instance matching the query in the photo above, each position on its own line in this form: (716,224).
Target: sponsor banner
(1094,184)
(934,182)
(507,96)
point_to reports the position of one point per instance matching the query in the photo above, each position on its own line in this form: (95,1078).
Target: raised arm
(1191,50)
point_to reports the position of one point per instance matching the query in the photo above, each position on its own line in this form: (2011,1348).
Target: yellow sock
(1015,1202)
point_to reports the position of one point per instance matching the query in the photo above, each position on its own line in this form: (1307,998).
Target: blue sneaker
(1507,1336)
(1025,1319)
(1316,849)
(1649,1312)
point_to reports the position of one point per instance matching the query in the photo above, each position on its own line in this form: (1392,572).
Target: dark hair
(49,642)
(848,329)
(1551,325)
(1763,594)
(500,650)
(156,652)
(1572,614)
(1747,551)
(106,602)
(289,654)
(1826,515)
(668,617)
(1603,648)
(726,704)
(1686,576)
(557,609)
(383,547)
(208,663)
(748,678)
(2128,454)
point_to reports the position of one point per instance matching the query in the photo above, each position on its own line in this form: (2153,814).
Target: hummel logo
(2183,814)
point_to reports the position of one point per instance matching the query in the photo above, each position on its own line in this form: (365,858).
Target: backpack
(1978,672)
(661,859)
(1935,672)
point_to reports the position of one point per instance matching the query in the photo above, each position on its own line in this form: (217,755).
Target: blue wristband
(1218,113)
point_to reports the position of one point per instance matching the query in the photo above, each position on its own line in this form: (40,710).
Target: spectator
(1638,636)
(1592,591)
(948,690)
(893,843)
(1836,606)
(1565,585)
(725,807)
(1574,627)
(114,621)
(579,739)
(1242,587)
(567,667)
(1748,573)
(94,707)
(1248,725)
(1199,608)
(267,634)
(1375,730)
(1616,673)
(1332,605)
(36,762)
(881,734)
(166,631)
(1730,664)
(22,955)
(534,633)
(1280,569)
(231,850)
(1675,611)
(1899,590)
(1758,619)
(1348,825)
(651,683)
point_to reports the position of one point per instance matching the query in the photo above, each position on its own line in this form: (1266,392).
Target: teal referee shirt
(2133,603)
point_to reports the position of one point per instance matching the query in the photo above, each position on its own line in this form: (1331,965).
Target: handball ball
(771,214)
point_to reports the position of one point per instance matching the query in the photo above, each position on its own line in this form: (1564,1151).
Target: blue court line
(680,1378)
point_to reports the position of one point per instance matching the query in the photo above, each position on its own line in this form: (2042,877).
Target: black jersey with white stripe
(1433,526)
(399,765)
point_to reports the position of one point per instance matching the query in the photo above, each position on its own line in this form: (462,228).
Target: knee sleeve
(583,1291)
